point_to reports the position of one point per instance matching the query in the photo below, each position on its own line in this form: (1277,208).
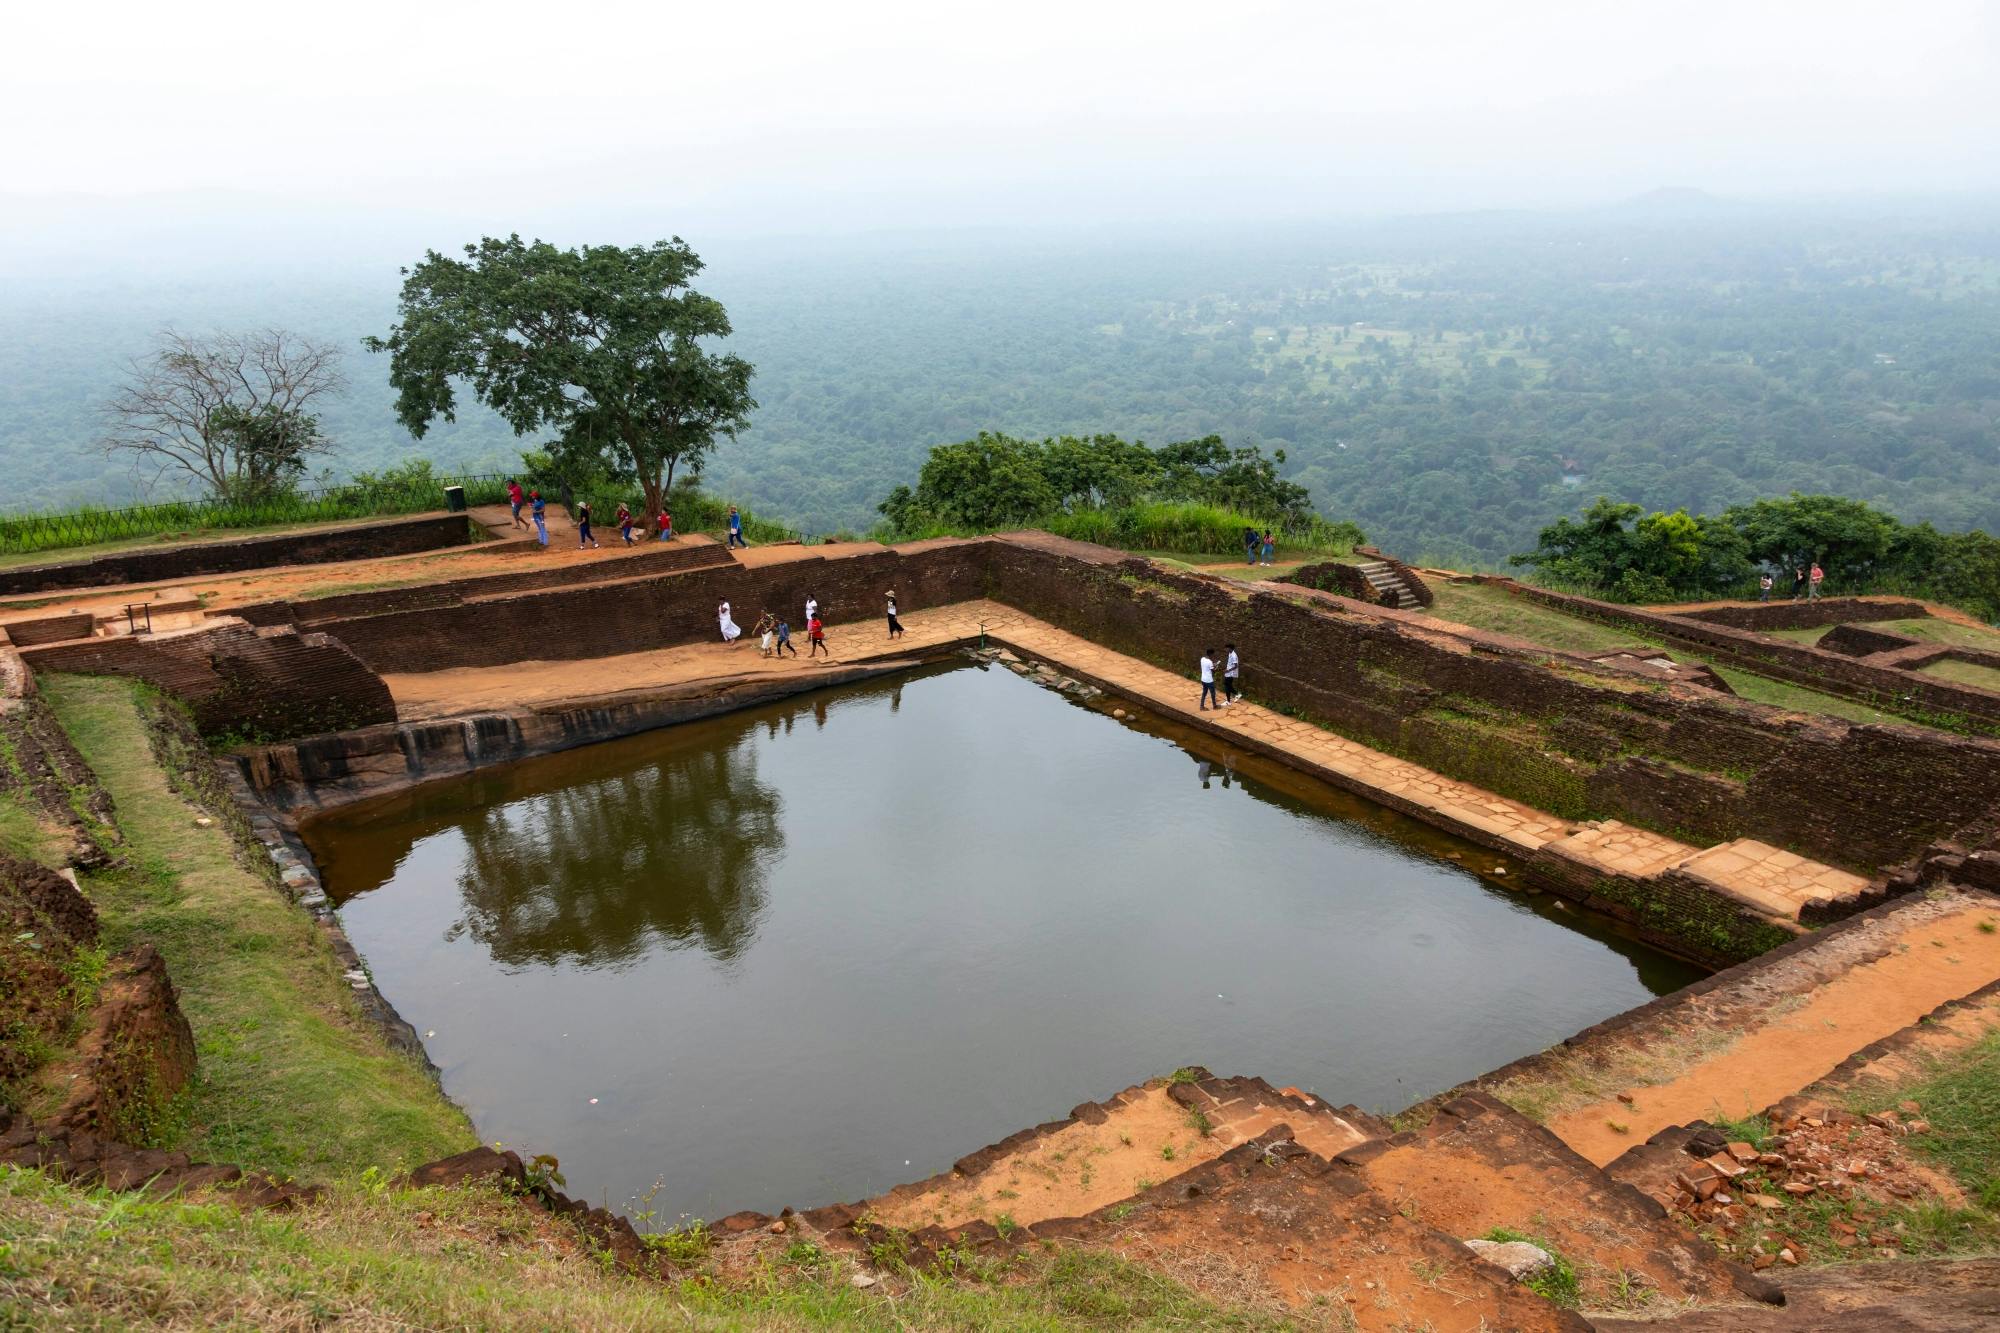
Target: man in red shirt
(816,631)
(515,498)
(1812,590)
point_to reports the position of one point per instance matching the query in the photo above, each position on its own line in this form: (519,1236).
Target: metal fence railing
(89,526)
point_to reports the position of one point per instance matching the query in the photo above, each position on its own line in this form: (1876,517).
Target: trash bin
(454,499)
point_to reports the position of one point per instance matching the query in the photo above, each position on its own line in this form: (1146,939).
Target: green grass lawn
(1942,631)
(291,1078)
(1965,673)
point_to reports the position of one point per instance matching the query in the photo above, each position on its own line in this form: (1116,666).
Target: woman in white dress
(730,631)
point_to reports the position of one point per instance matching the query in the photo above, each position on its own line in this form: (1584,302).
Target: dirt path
(1929,961)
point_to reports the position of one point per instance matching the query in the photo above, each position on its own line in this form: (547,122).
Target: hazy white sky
(793,116)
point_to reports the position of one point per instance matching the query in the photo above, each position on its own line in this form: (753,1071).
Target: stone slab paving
(1784,881)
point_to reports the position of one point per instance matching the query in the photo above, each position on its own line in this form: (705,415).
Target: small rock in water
(1118,712)
(1518,1257)
(1499,870)
(593,1101)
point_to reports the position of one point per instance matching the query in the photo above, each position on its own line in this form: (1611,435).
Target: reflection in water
(599,873)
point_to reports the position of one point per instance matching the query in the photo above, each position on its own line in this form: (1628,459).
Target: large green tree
(608,348)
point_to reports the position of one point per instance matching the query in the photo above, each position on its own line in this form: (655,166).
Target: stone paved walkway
(1772,881)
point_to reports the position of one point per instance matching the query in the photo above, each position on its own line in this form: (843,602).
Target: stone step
(1480,1166)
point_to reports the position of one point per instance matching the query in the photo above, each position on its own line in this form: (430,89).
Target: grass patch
(291,1078)
(1567,1080)
(1965,673)
(1556,1283)
(471,1258)
(1960,1096)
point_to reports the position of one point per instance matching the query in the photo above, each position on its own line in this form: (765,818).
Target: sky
(796,118)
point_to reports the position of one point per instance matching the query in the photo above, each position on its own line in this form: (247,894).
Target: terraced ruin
(1722,1155)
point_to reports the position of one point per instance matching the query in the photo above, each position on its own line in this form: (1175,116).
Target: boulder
(1518,1257)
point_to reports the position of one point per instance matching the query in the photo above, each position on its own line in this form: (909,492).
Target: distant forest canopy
(1451,384)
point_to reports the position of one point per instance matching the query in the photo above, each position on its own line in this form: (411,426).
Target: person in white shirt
(1231,667)
(1208,677)
(812,608)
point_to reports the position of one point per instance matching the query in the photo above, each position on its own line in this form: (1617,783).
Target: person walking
(583,537)
(1798,582)
(1764,586)
(895,625)
(625,522)
(766,631)
(1250,545)
(536,506)
(1208,679)
(816,631)
(1232,667)
(1270,545)
(736,528)
(785,639)
(514,498)
(730,631)
(666,525)
(1813,581)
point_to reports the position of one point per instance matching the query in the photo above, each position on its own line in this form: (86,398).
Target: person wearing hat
(895,625)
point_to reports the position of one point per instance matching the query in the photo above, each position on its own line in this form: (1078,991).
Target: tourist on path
(541,520)
(1231,668)
(625,522)
(583,537)
(1208,678)
(1270,546)
(785,639)
(895,625)
(766,630)
(1798,582)
(736,528)
(1812,587)
(666,525)
(1250,545)
(730,631)
(1764,587)
(816,631)
(514,498)
(812,607)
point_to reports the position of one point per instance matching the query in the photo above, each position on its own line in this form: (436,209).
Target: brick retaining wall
(1850,640)
(166,564)
(1768,616)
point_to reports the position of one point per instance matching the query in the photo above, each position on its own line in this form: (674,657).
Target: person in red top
(1812,589)
(666,525)
(516,499)
(816,631)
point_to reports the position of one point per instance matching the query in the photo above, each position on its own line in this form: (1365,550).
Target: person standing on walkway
(583,537)
(816,631)
(730,631)
(1813,581)
(514,498)
(785,639)
(1270,545)
(625,522)
(766,630)
(812,607)
(666,525)
(537,506)
(1250,545)
(1231,669)
(895,625)
(1764,586)
(1208,678)
(736,528)
(1798,582)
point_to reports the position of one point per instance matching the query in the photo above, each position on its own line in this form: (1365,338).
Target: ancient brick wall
(657,558)
(1486,709)
(165,564)
(236,678)
(1796,662)
(634,615)
(1767,616)
(1857,641)
(50,629)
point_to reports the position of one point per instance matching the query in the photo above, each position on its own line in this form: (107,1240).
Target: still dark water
(799,954)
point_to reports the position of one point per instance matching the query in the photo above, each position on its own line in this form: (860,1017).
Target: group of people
(531,500)
(1232,677)
(1255,542)
(1804,583)
(774,632)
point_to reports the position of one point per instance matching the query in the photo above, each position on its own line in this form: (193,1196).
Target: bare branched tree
(231,410)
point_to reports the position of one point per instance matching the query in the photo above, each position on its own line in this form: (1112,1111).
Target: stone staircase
(1391,588)
(1326,1211)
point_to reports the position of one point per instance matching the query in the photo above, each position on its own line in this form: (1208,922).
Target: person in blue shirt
(541,519)
(736,528)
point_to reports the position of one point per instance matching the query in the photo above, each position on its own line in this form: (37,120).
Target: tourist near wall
(1544,728)
(320,546)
